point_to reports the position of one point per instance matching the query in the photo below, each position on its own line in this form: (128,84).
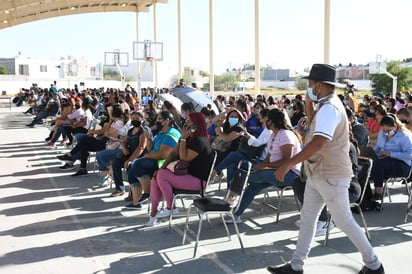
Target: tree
(382,83)
(267,67)
(3,70)
(301,84)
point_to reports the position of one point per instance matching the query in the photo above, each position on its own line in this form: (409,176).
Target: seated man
(52,107)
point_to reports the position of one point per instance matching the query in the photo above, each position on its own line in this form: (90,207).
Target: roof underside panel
(15,12)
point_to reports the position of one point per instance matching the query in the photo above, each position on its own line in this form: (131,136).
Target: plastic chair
(181,193)
(364,164)
(392,180)
(211,205)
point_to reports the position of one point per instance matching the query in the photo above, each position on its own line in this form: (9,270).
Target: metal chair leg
(186,224)
(364,222)
(225,225)
(237,232)
(198,236)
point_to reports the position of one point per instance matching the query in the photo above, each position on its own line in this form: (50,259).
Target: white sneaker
(152,221)
(322,227)
(166,213)
(228,219)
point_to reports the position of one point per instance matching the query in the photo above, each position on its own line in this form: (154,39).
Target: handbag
(178,167)
(112,145)
(220,145)
(251,152)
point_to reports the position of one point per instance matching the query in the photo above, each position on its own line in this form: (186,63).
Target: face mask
(233,121)
(159,125)
(77,106)
(207,120)
(405,121)
(136,123)
(372,111)
(346,102)
(312,96)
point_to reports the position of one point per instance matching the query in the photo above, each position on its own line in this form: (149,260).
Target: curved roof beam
(15,12)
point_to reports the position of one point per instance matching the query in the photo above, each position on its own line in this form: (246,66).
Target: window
(23,69)
(43,68)
(92,71)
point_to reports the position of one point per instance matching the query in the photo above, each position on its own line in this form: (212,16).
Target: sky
(291,33)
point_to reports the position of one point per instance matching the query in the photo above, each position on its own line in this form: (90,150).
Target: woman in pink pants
(194,148)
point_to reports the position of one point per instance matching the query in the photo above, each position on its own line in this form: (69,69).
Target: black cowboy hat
(323,73)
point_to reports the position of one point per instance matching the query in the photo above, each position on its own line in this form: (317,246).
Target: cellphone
(192,128)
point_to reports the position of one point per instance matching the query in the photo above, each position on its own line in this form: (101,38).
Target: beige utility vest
(332,161)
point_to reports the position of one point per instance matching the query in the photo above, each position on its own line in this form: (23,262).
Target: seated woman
(405,116)
(373,124)
(249,145)
(90,143)
(394,148)
(80,124)
(105,157)
(229,130)
(133,146)
(283,145)
(253,124)
(194,148)
(141,170)
(66,109)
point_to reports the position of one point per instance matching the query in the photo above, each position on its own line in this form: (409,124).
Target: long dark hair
(198,120)
(277,117)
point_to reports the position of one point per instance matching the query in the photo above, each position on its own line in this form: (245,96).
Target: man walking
(328,169)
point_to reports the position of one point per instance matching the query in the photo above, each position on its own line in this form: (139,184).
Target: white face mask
(311,95)
(233,121)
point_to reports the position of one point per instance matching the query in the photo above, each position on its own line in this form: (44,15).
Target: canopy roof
(15,12)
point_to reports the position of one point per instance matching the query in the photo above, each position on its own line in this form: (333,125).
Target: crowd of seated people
(266,131)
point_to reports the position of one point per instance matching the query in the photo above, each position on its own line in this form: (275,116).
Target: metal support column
(257,63)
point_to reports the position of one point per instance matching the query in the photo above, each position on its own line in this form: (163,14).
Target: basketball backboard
(148,51)
(112,58)
(377,67)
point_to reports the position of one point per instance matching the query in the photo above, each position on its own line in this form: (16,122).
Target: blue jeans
(117,165)
(230,162)
(260,180)
(59,131)
(139,168)
(105,157)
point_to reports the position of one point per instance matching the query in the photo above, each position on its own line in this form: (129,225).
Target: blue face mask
(233,121)
(311,95)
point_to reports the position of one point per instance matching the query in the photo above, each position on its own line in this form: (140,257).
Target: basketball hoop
(149,58)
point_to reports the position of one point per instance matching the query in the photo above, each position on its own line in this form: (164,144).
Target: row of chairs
(210,205)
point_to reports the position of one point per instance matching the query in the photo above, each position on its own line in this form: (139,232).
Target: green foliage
(382,83)
(301,84)
(226,82)
(266,68)
(110,74)
(3,70)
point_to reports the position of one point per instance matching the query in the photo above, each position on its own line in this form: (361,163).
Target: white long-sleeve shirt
(262,139)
